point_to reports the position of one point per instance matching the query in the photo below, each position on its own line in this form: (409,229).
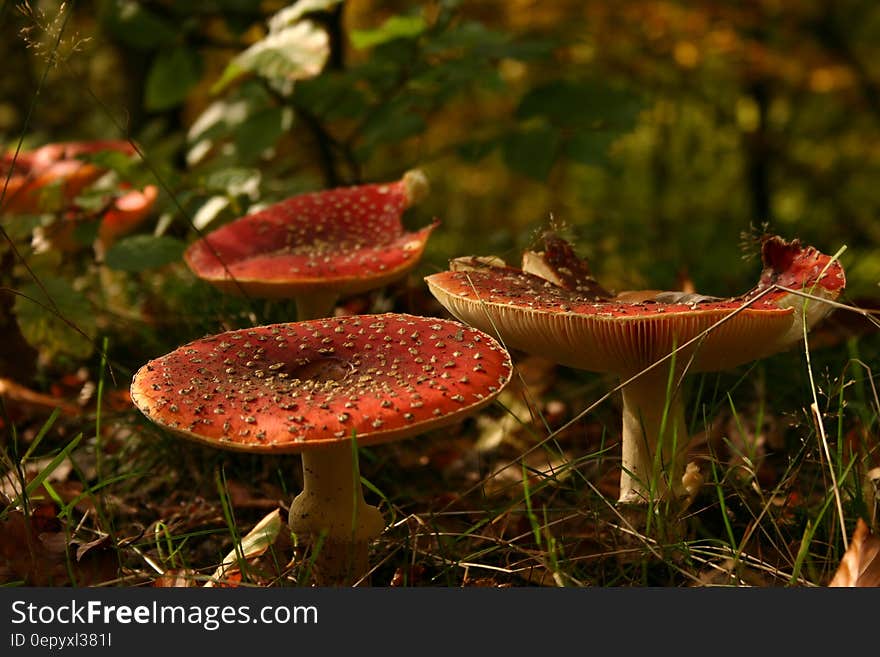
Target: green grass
(102,497)
(784,486)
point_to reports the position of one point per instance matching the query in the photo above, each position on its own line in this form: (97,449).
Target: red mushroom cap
(611,335)
(127,212)
(795,266)
(54,163)
(71,150)
(348,240)
(286,387)
(26,192)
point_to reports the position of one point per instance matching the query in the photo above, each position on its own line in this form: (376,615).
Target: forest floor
(521,494)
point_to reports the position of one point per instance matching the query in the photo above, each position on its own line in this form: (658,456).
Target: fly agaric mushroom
(565,316)
(310,387)
(126,213)
(32,173)
(316,247)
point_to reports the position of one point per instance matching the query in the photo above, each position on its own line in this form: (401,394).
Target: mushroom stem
(654,440)
(331,510)
(315,305)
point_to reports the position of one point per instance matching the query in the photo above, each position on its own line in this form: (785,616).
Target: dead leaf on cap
(860,565)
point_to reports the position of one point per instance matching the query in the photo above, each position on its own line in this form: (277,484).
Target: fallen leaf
(37,551)
(410,575)
(13,392)
(102,542)
(257,541)
(180,578)
(860,565)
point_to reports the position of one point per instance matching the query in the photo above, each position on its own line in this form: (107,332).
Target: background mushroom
(125,214)
(312,386)
(32,174)
(317,247)
(572,320)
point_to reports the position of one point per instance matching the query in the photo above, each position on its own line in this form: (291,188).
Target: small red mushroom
(126,213)
(572,320)
(33,173)
(316,247)
(311,387)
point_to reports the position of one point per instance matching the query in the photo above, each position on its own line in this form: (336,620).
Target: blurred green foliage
(655,134)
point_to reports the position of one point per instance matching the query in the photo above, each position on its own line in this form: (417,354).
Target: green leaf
(445,79)
(258,133)
(209,210)
(232,72)
(393,123)
(331,96)
(140,252)
(396,27)
(114,160)
(466,35)
(21,226)
(136,26)
(173,73)
(44,328)
(532,152)
(85,233)
(221,119)
(232,180)
(219,116)
(293,53)
(479,41)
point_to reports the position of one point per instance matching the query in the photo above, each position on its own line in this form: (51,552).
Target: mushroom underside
(557,310)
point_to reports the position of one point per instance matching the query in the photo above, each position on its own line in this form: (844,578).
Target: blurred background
(661,137)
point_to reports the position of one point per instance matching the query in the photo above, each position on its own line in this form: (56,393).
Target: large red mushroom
(311,388)
(649,340)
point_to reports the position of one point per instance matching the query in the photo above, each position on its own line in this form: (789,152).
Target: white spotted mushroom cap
(588,329)
(345,240)
(283,388)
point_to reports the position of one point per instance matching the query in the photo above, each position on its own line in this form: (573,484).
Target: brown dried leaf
(410,575)
(180,578)
(860,565)
(13,392)
(37,551)
(102,542)
(561,266)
